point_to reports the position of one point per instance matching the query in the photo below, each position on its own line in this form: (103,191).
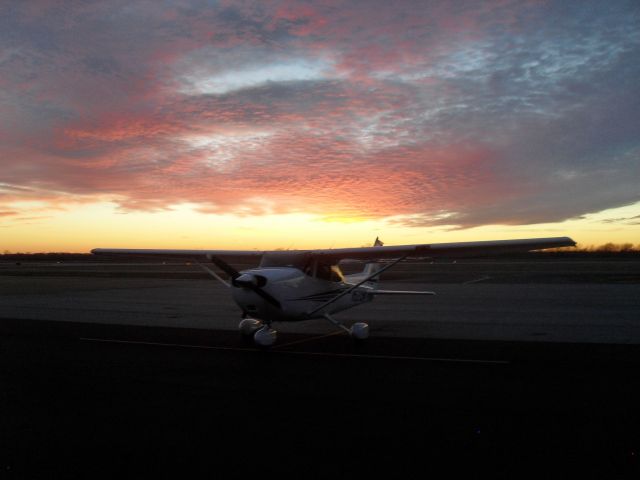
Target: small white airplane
(295,285)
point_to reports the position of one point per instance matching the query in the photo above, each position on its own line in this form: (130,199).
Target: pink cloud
(412,108)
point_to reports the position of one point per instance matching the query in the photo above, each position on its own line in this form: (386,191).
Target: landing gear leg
(358,331)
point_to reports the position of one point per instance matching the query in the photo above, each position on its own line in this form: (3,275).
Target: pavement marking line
(160,344)
(402,357)
(310,339)
(481,279)
(318,354)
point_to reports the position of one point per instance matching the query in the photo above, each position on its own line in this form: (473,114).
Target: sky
(291,124)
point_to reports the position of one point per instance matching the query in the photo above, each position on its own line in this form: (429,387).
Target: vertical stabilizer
(373,267)
(369,269)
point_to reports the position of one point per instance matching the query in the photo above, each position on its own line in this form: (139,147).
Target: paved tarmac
(106,377)
(512,301)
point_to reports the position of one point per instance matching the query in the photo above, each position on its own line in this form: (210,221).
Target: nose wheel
(262,334)
(249,326)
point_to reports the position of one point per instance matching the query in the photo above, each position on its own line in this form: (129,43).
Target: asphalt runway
(144,373)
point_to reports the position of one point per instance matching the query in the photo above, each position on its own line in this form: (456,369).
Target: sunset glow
(286,124)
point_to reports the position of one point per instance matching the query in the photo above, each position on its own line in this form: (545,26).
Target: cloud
(444,113)
(634,220)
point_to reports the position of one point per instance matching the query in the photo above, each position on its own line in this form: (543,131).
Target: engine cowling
(248,280)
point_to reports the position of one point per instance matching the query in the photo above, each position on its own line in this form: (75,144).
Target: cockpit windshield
(311,266)
(286,259)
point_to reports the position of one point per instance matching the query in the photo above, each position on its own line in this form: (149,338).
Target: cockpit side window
(332,273)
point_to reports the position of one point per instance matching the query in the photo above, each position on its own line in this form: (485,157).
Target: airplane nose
(249,283)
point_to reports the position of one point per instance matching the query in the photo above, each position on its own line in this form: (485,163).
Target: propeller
(244,280)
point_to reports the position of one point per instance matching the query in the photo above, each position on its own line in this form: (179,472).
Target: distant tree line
(610,248)
(46,255)
(50,257)
(605,250)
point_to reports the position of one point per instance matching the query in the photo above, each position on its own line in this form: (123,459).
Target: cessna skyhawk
(295,285)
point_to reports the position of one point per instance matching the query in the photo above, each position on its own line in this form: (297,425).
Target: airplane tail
(373,267)
(369,269)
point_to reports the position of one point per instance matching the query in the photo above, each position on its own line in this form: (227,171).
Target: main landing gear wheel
(265,337)
(359,331)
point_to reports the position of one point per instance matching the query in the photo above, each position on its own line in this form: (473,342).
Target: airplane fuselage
(298,294)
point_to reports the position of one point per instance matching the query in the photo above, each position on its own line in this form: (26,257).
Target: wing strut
(349,290)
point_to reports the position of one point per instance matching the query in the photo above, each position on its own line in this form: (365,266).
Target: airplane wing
(460,249)
(232,256)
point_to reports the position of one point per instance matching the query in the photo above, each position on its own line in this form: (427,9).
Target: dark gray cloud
(465,113)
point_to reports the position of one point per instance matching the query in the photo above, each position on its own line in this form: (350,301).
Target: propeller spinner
(245,280)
